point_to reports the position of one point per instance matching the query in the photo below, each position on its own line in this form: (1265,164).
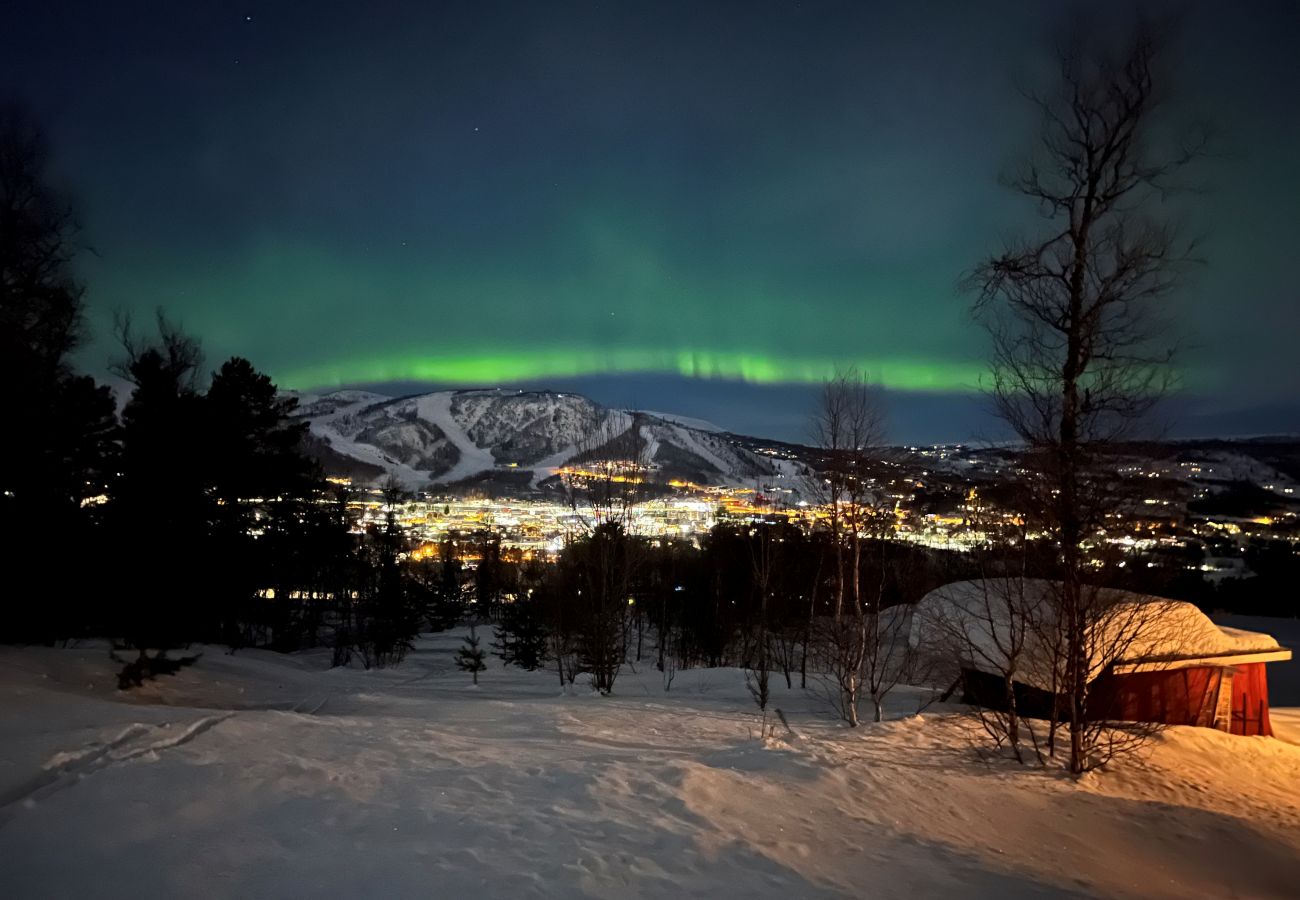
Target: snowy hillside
(450,437)
(257,775)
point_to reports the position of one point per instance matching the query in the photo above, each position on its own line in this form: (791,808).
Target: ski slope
(436,408)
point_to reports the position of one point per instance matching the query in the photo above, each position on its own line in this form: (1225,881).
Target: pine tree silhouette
(470,656)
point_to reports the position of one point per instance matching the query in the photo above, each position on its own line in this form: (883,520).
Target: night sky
(691,207)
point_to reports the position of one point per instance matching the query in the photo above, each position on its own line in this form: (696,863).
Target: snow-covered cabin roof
(985,622)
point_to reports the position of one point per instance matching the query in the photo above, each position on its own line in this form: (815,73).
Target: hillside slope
(520,438)
(261,775)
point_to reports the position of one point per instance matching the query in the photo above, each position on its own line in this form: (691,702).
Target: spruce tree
(161,511)
(392,614)
(489,574)
(449,593)
(521,633)
(266,488)
(470,656)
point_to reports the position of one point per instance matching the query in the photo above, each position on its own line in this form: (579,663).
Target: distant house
(1155,659)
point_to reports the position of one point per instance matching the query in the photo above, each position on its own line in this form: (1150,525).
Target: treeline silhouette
(194,515)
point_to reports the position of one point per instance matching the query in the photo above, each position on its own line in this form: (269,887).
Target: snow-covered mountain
(517,440)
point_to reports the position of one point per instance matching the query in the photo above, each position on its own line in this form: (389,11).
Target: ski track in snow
(69,768)
(688,421)
(547,467)
(436,408)
(327,428)
(651,443)
(688,442)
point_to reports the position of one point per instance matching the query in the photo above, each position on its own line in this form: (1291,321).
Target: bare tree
(830,432)
(605,480)
(786,641)
(41,310)
(173,353)
(1076,313)
(764,554)
(987,628)
(887,656)
(1001,633)
(849,426)
(1121,627)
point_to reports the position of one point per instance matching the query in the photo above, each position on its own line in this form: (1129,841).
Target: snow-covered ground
(258,775)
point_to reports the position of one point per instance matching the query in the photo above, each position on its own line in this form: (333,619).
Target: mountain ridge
(516,440)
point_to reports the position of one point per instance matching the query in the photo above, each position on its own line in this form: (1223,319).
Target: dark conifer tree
(60,428)
(489,574)
(470,656)
(161,511)
(441,585)
(603,564)
(450,605)
(521,635)
(257,444)
(387,615)
(264,486)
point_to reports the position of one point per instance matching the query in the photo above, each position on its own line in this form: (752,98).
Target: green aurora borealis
(593,306)
(489,367)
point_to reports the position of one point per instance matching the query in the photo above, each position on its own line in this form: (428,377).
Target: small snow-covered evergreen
(470,656)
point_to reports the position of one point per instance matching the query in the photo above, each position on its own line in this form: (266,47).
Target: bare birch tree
(887,656)
(1078,313)
(764,553)
(849,426)
(987,628)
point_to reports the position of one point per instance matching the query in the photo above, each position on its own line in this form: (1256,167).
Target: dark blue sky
(692,207)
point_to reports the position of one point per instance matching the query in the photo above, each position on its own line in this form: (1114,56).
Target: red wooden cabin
(1157,660)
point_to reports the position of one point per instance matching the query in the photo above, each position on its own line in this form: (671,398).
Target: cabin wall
(1200,696)
(1172,697)
(1250,701)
